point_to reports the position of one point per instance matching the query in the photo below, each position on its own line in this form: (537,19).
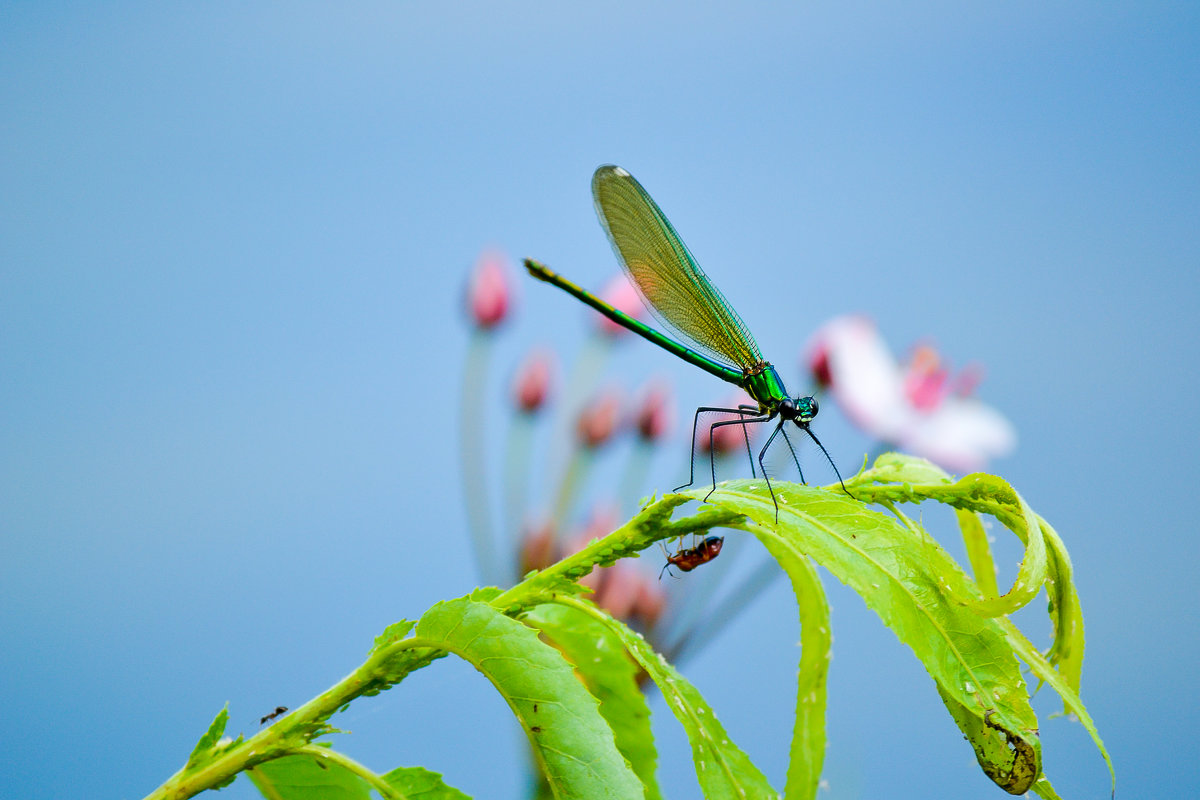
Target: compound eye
(806,408)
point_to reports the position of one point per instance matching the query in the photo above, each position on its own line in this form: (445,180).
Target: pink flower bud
(598,420)
(620,294)
(532,382)
(488,294)
(653,416)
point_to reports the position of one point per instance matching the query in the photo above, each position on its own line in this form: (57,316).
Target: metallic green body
(763,384)
(766,387)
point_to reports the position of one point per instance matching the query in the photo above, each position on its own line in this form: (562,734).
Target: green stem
(471,429)
(651,525)
(516,481)
(578,465)
(633,479)
(389,665)
(308,721)
(585,374)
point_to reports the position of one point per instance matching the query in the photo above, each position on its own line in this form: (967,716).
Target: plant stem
(516,482)
(389,665)
(474,479)
(579,463)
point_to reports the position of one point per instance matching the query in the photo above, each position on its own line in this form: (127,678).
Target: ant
(687,560)
(278,710)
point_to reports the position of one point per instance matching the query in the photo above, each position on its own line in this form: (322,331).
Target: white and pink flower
(917,406)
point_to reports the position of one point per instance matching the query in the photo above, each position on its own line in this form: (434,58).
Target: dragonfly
(687,304)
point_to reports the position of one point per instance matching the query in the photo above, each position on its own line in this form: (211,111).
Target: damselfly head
(806,409)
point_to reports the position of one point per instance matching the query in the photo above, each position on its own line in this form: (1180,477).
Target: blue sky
(232,251)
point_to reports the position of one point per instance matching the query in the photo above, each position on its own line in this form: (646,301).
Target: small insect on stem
(278,710)
(692,557)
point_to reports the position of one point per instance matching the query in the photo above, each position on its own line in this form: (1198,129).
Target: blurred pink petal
(925,383)
(967,380)
(961,435)
(849,357)
(911,407)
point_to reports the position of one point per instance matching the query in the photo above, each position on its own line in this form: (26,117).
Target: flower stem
(516,481)
(633,479)
(473,468)
(578,465)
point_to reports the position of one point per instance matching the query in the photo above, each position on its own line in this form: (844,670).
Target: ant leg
(666,556)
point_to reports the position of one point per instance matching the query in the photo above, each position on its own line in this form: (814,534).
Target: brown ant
(687,560)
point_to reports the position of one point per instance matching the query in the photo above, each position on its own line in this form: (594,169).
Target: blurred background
(233,251)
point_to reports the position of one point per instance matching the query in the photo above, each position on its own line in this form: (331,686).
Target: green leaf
(1066,653)
(1046,672)
(570,739)
(808,733)
(208,741)
(1044,790)
(611,677)
(1012,762)
(918,591)
(1062,664)
(979,551)
(1045,563)
(210,747)
(417,783)
(903,468)
(992,495)
(721,768)
(392,634)
(919,480)
(303,777)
